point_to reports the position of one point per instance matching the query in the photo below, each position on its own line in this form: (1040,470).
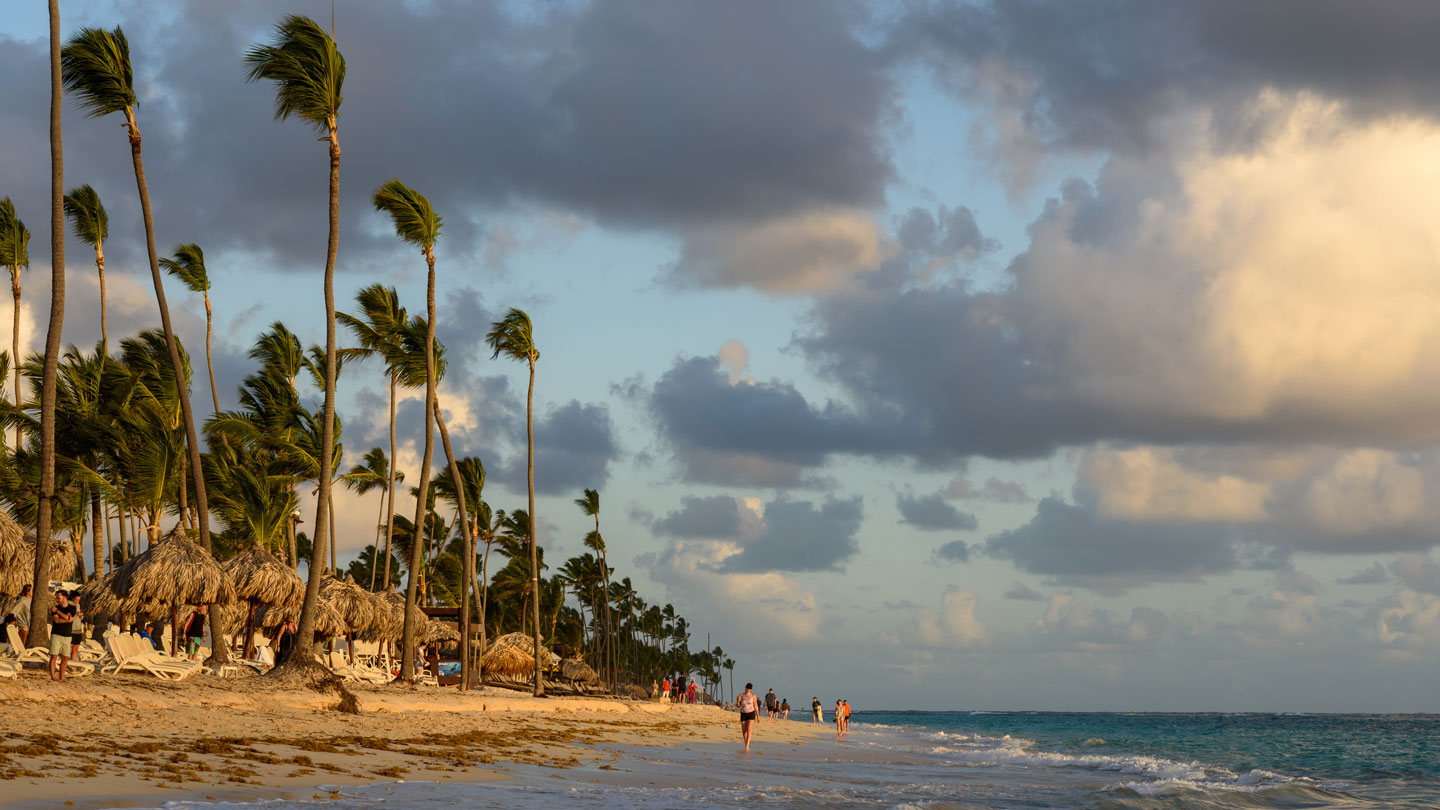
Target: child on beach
(749,705)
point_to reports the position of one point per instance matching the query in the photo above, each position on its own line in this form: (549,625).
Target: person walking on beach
(816,710)
(772,706)
(693,693)
(847,715)
(749,705)
(839,719)
(654,688)
(61,617)
(194,632)
(785,709)
(665,690)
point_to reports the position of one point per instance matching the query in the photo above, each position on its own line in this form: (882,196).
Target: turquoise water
(985,761)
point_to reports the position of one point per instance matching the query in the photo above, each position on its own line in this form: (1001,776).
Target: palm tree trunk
(209,362)
(218,653)
(390,486)
(100,268)
(97,532)
(375,551)
(407,663)
(334,540)
(300,652)
(534,556)
(467,569)
(38,634)
(484,599)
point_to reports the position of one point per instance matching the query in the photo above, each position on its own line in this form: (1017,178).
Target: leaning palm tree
(92,225)
(189,266)
(15,255)
(379,332)
(514,338)
(374,473)
(40,577)
(589,504)
(417,223)
(96,68)
(309,72)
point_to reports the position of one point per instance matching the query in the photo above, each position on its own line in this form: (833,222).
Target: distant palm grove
(102,447)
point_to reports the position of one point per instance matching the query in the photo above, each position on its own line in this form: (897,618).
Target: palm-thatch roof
(573,669)
(173,571)
(513,656)
(328,621)
(17,557)
(439,632)
(394,623)
(361,614)
(258,576)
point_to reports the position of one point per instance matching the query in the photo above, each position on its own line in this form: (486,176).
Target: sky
(1074,355)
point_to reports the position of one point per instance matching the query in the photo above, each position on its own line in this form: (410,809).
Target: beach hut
(510,661)
(260,579)
(173,572)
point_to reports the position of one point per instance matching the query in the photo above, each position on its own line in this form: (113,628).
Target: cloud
(953,551)
(574,446)
(718,517)
(1072,546)
(1374,575)
(1024,593)
(733,357)
(993,491)
(953,626)
(932,513)
(800,537)
(1070,624)
(1419,572)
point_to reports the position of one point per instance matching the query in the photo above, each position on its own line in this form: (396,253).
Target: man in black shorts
(772,706)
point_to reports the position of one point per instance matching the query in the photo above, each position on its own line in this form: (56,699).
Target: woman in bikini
(749,705)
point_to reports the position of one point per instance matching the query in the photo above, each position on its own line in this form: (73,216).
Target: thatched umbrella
(260,579)
(573,669)
(361,613)
(439,632)
(328,622)
(14,573)
(173,572)
(394,624)
(512,657)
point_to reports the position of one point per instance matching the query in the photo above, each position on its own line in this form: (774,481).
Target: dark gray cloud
(948,233)
(932,513)
(1072,546)
(1418,572)
(993,490)
(713,518)
(574,448)
(620,111)
(955,551)
(1024,593)
(1100,75)
(798,536)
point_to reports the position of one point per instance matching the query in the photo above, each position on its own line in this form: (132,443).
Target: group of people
(65,630)
(749,705)
(676,690)
(778,709)
(842,716)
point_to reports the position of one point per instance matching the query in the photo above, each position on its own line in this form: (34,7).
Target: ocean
(978,760)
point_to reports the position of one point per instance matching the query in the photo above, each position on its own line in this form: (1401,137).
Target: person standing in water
(749,705)
(839,719)
(816,710)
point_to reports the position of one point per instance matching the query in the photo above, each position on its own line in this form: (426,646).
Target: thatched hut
(173,572)
(574,669)
(328,621)
(260,579)
(439,633)
(510,661)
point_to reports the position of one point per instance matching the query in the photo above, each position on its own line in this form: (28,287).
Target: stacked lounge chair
(131,652)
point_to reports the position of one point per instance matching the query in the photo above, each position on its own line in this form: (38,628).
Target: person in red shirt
(665,689)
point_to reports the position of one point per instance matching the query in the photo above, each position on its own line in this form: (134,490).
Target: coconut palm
(589,504)
(92,225)
(96,69)
(15,255)
(374,473)
(417,224)
(514,337)
(189,266)
(309,72)
(378,331)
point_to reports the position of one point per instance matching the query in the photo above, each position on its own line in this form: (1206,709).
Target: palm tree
(514,337)
(189,266)
(417,223)
(374,473)
(15,255)
(589,504)
(469,489)
(308,72)
(378,332)
(96,68)
(39,578)
(92,225)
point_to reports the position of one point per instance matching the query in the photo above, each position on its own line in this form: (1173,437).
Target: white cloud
(767,604)
(954,626)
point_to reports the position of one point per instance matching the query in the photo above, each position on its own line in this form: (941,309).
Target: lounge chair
(21,655)
(345,670)
(130,652)
(9,669)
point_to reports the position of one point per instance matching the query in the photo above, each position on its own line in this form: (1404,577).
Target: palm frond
(14,237)
(87,215)
(513,337)
(415,221)
(95,67)
(307,69)
(189,267)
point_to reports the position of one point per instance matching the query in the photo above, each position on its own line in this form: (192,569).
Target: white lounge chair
(9,669)
(130,652)
(21,655)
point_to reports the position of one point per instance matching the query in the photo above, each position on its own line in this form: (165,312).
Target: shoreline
(129,741)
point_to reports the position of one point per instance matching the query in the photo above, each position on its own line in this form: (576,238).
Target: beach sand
(133,740)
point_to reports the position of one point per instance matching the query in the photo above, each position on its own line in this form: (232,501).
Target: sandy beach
(107,742)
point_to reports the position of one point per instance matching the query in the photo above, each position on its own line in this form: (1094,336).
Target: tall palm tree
(15,255)
(374,473)
(92,225)
(514,337)
(96,68)
(589,504)
(417,223)
(39,578)
(378,330)
(189,266)
(309,72)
